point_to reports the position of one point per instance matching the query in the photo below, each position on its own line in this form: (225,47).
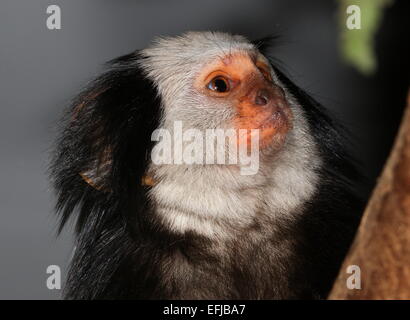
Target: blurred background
(41,70)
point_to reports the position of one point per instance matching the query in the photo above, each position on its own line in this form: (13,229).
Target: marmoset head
(214,80)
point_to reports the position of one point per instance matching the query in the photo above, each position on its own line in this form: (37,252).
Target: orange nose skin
(264,108)
(259,103)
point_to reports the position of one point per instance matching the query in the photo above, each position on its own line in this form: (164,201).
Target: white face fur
(208,199)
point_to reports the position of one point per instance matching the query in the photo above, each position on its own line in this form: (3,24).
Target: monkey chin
(272,131)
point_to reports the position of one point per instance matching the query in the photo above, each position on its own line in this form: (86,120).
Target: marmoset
(200,229)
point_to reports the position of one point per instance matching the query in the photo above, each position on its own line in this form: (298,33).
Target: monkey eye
(219,84)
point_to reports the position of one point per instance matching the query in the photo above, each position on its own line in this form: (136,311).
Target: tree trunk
(381,248)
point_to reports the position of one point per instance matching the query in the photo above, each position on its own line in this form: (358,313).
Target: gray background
(41,69)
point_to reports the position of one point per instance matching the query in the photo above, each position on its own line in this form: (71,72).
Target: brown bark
(382,245)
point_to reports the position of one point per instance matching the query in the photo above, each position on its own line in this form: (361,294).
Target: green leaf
(357,45)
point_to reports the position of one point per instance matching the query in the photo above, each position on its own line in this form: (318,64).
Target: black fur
(118,111)
(121,247)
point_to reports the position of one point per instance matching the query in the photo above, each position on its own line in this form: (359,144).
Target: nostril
(261,98)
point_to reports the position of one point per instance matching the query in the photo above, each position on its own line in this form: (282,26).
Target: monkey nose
(262,97)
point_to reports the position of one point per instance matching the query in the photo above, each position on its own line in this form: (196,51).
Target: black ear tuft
(107,141)
(266,43)
(126,59)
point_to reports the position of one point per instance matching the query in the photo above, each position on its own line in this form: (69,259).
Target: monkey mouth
(273,128)
(272,122)
(276,119)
